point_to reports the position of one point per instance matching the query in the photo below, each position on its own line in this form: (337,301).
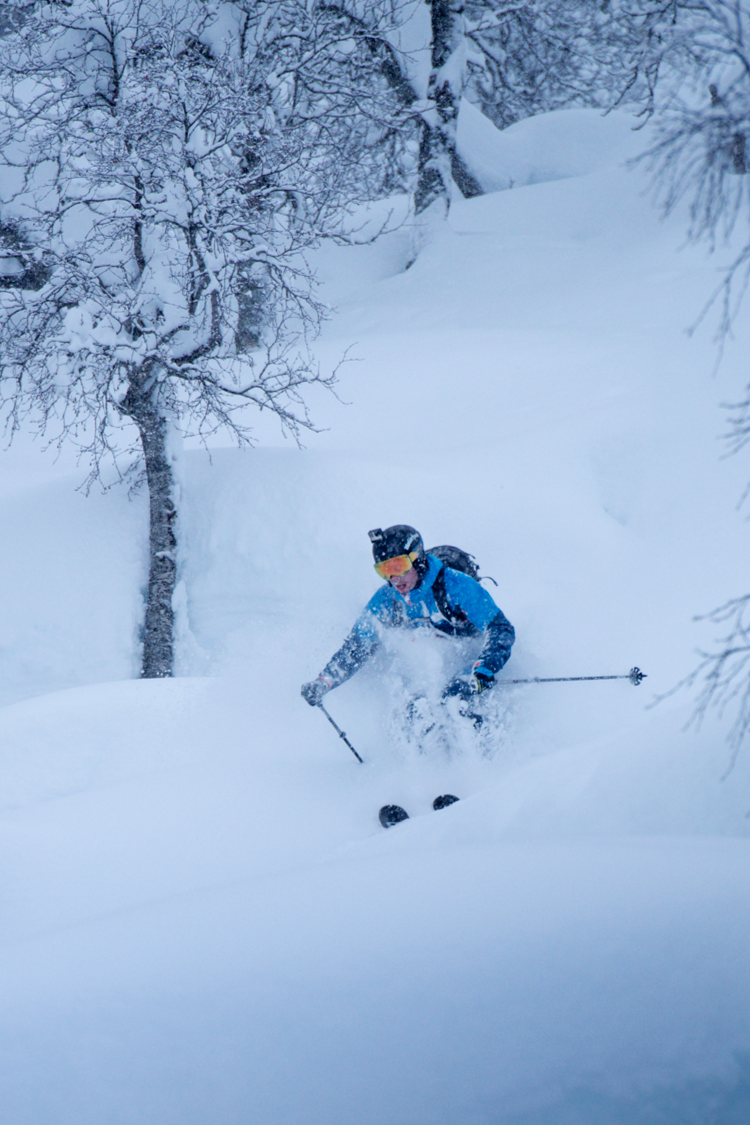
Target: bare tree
(723,674)
(527,56)
(424,121)
(701,118)
(439,163)
(723,671)
(163,165)
(513,58)
(517,58)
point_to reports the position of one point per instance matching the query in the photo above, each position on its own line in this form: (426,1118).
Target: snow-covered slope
(202,919)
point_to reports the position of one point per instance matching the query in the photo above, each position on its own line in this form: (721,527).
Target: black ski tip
(392,814)
(444,801)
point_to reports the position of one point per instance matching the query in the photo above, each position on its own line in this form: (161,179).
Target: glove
(316,689)
(481,679)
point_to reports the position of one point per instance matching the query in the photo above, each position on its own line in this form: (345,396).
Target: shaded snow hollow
(202,919)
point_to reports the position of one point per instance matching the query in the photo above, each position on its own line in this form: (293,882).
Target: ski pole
(635,675)
(341,734)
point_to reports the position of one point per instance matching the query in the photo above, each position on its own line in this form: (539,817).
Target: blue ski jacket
(419,610)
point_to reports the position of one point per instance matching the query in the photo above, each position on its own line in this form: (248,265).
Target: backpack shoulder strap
(453,614)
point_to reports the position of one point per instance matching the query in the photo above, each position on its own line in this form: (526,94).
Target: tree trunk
(739,162)
(439,162)
(158,632)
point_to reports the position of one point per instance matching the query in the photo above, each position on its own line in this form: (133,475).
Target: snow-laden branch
(172,175)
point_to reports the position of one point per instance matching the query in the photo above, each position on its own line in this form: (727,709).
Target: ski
(444,801)
(394,814)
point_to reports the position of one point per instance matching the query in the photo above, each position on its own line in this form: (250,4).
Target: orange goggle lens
(393,568)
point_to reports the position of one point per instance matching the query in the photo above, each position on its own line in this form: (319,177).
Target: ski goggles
(395,567)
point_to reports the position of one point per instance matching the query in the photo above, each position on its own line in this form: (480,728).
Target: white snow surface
(202,920)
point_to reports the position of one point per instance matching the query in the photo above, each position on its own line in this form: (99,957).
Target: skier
(421,593)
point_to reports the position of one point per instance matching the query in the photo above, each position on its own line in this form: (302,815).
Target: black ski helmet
(398,540)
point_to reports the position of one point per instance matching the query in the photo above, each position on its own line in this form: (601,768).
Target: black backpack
(456,559)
